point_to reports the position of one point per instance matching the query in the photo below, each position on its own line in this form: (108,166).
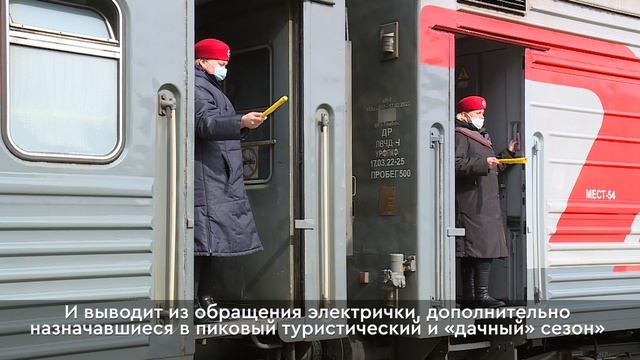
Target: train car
(95,97)
(351,182)
(557,75)
(97,167)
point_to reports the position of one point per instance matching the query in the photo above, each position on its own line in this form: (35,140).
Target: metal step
(469,346)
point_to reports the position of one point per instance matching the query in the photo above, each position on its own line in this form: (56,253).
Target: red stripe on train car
(609,70)
(626,268)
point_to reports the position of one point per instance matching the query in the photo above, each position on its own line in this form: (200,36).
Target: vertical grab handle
(167,104)
(437,142)
(538,213)
(323,120)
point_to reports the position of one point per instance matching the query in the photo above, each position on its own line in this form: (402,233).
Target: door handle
(167,108)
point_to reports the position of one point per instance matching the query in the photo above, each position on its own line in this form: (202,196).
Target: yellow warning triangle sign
(463,75)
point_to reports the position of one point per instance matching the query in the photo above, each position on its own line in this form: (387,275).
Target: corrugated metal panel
(68,239)
(518,7)
(51,245)
(77,184)
(592,283)
(630,7)
(61,242)
(21,347)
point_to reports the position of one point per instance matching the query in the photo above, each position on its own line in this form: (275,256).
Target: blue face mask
(220,73)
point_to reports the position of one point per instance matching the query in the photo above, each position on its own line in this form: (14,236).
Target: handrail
(168,106)
(438,157)
(538,213)
(173,203)
(325,246)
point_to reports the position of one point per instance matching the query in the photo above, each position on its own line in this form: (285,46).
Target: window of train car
(249,86)
(63,83)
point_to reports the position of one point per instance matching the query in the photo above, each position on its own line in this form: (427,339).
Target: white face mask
(220,73)
(478,122)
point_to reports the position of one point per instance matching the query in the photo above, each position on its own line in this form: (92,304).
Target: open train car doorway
(260,70)
(495,71)
(295,164)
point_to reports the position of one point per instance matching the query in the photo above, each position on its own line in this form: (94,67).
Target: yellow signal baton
(521,160)
(275,106)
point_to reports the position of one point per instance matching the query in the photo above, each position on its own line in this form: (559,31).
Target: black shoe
(483,300)
(206,301)
(482,275)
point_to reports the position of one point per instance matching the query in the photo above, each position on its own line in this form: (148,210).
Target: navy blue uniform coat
(224,224)
(477,198)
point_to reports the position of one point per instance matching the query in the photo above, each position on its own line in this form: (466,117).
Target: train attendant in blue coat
(224,224)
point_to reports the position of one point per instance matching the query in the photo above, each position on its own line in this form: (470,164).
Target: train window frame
(34,37)
(270,142)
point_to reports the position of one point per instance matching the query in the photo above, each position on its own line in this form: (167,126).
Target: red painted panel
(609,70)
(626,268)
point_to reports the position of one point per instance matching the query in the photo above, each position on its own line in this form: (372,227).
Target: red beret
(471,103)
(212,49)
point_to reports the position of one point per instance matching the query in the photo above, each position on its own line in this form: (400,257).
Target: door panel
(325,149)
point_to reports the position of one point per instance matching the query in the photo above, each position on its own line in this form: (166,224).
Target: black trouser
(476,273)
(203,279)
(467,266)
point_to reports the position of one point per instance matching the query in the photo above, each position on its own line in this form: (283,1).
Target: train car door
(296,163)
(94,115)
(326,152)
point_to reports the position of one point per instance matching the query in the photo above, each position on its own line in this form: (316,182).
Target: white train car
(562,77)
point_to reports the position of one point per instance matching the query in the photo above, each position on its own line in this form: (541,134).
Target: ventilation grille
(518,7)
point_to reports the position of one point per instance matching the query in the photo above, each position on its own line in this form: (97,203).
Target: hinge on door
(304,224)
(453,232)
